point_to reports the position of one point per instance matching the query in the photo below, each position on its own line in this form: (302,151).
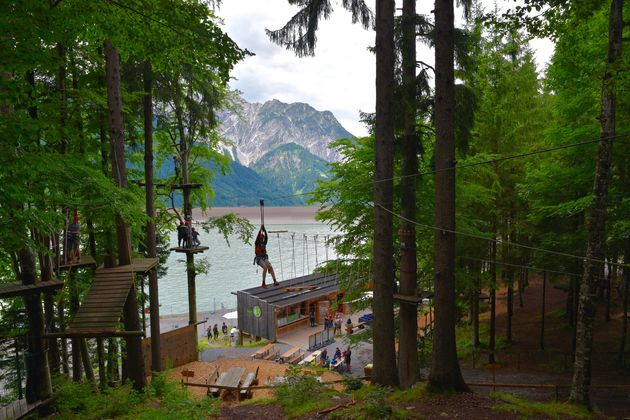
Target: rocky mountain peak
(255,129)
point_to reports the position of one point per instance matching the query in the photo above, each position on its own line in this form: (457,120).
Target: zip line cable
(463,166)
(500,241)
(565,273)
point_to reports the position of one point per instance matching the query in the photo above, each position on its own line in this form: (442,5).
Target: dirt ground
(267,371)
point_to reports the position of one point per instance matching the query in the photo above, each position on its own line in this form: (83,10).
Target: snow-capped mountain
(255,129)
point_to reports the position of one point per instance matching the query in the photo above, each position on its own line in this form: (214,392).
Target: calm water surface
(232,269)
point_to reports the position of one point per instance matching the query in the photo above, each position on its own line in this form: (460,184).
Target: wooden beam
(93,333)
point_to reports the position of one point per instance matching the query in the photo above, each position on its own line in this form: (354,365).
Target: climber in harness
(260,248)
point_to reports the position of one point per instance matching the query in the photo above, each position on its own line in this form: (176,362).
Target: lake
(292,254)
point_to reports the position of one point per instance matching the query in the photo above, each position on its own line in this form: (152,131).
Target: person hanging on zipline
(262,259)
(74,236)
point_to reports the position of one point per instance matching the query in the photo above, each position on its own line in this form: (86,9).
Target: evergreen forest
(479,173)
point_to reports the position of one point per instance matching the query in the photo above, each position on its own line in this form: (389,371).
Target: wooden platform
(102,307)
(84,261)
(138,265)
(20,408)
(195,250)
(18,289)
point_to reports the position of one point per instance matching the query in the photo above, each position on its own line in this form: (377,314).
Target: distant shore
(273,215)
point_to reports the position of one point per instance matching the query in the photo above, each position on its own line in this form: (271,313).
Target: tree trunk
(445,371)
(493,303)
(542,312)
(626,290)
(113,372)
(408,342)
(49,307)
(475,311)
(85,358)
(114,101)
(384,372)
(63,344)
(75,343)
(154,303)
(596,222)
(38,383)
(100,354)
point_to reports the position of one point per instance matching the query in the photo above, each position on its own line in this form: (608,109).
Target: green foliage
(528,409)
(229,225)
(352,384)
(302,393)
(162,399)
(372,403)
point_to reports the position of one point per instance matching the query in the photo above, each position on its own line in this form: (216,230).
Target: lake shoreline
(280,215)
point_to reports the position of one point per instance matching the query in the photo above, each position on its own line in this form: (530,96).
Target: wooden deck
(83,261)
(20,408)
(138,265)
(18,289)
(195,250)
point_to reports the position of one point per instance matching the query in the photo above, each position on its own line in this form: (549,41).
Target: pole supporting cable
(280,253)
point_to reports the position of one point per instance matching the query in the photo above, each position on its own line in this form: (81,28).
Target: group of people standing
(187,236)
(336,323)
(345,358)
(213,331)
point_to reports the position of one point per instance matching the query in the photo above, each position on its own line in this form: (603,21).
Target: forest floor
(520,362)
(524,362)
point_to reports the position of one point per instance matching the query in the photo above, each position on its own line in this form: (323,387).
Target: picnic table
(334,365)
(262,352)
(289,354)
(308,359)
(231,378)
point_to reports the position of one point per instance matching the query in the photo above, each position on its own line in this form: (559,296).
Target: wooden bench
(216,391)
(250,379)
(214,374)
(296,358)
(229,379)
(262,352)
(289,354)
(272,354)
(308,359)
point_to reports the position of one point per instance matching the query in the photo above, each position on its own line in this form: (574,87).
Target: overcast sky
(340,78)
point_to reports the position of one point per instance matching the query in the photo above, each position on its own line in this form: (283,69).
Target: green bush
(302,393)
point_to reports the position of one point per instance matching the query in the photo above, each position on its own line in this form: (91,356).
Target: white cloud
(341,76)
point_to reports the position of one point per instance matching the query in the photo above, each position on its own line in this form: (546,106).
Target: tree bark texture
(492,334)
(445,371)
(408,342)
(154,303)
(384,372)
(38,383)
(626,290)
(596,222)
(131,319)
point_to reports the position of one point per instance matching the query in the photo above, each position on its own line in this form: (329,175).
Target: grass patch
(162,399)
(373,402)
(224,342)
(531,409)
(415,393)
(259,401)
(303,393)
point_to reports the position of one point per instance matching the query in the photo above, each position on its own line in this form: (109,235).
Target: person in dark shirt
(195,238)
(74,232)
(262,259)
(181,233)
(215,330)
